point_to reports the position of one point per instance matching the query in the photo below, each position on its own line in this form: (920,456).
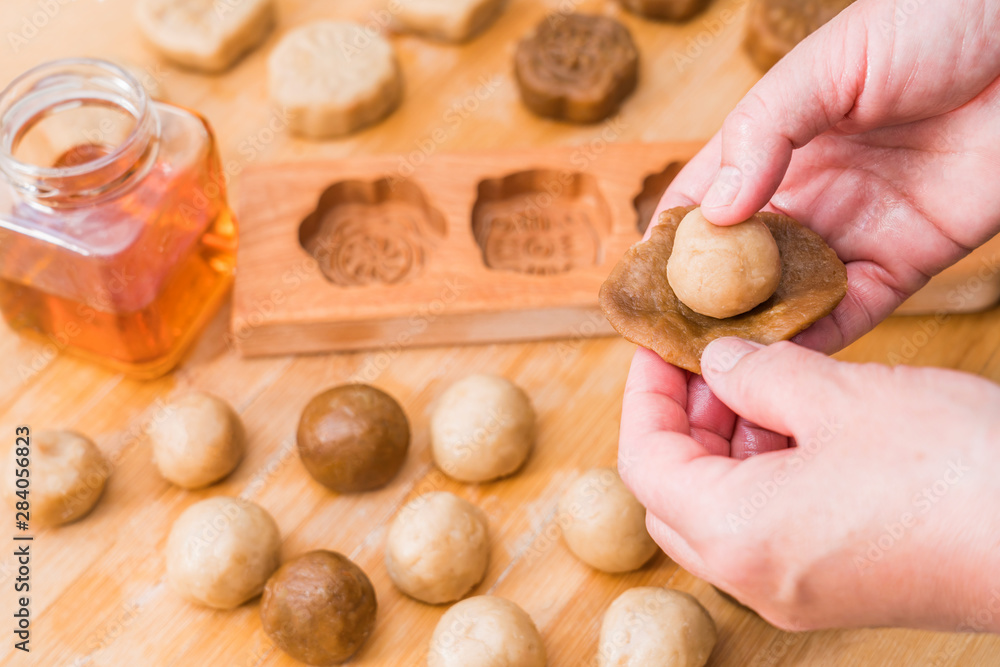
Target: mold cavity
(653,188)
(541,222)
(371,233)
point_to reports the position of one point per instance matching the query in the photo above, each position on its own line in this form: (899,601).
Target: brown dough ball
(221,551)
(649,626)
(353,438)
(723,271)
(603,524)
(67,471)
(319,608)
(199,441)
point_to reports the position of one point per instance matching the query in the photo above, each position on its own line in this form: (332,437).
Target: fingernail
(725,188)
(722,354)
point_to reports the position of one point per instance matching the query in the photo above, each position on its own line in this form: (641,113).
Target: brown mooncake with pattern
(576,67)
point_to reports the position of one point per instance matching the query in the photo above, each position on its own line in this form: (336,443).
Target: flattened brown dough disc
(638,301)
(774,27)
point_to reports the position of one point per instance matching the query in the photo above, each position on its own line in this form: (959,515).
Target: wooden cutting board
(100,599)
(969,286)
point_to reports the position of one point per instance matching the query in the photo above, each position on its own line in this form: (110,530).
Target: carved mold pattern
(540,222)
(371,233)
(653,188)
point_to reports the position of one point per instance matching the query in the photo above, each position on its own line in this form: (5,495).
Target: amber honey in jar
(116,241)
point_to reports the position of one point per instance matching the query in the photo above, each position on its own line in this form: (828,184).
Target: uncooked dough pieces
(448,20)
(656,627)
(221,551)
(199,440)
(208,35)
(333,78)
(483,428)
(603,524)
(438,547)
(68,473)
(486,631)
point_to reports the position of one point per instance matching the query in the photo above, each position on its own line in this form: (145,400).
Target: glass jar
(116,240)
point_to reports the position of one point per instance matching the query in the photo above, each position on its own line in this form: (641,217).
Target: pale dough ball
(221,551)
(603,524)
(208,35)
(655,627)
(486,631)
(198,440)
(449,20)
(334,78)
(723,271)
(483,428)
(67,475)
(438,547)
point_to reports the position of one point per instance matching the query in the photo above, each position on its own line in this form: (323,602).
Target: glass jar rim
(19,88)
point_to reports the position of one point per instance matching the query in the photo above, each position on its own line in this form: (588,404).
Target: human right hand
(887,512)
(881,132)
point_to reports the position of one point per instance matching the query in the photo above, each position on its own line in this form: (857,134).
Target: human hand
(887,512)
(895,119)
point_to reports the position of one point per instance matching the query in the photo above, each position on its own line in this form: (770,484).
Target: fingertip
(722,354)
(723,216)
(724,189)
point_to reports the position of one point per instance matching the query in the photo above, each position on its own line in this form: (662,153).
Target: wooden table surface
(99,595)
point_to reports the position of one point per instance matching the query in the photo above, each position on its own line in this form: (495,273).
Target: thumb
(782,387)
(804,95)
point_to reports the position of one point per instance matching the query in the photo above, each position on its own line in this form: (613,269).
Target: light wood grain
(99,596)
